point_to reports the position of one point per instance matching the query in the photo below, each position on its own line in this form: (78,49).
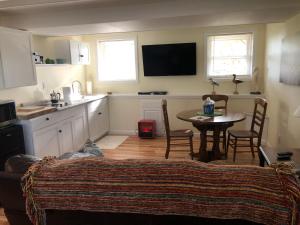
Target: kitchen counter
(27,115)
(24,113)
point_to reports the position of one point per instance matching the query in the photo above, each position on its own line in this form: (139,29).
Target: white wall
(283,99)
(49,77)
(175,84)
(125,112)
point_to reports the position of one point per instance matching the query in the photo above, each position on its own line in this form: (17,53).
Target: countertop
(50,109)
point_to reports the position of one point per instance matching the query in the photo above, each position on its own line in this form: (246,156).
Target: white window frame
(135,55)
(229,76)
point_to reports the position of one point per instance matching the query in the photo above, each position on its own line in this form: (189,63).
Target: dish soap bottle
(209,107)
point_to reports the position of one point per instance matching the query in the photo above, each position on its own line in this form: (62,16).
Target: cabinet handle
(47,119)
(100,113)
(60,131)
(81,56)
(8,135)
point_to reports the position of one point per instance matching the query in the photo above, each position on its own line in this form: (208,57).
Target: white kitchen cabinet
(80,52)
(74,52)
(66,137)
(46,142)
(56,133)
(54,141)
(98,118)
(17,67)
(80,131)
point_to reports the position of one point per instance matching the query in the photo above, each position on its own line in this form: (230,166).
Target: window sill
(180,96)
(229,78)
(117,82)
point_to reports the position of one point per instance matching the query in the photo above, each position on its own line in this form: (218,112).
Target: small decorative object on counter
(60,61)
(213,83)
(236,82)
(89,87)
(38,59)
(254,83)
(54,97)
(49,61)
(67,95)
(209,107)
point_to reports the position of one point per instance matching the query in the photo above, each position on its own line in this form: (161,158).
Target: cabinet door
(104,116)
(16,56)
(74,51)
(84,53)
(46,142)
(80,132)
(80,52)
(98,118)
(65,133)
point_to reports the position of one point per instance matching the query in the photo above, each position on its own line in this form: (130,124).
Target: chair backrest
(166,118)
(218,98)
(258,118)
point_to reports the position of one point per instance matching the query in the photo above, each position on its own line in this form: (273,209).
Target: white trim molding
(181,96)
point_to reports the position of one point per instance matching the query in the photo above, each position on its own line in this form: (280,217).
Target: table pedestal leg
(202,151)
(216,154)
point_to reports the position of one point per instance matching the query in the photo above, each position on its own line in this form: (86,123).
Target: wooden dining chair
(221,104)
(255,132)
(175,137)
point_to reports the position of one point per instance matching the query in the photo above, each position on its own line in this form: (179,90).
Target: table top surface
(270,155)
(194,117)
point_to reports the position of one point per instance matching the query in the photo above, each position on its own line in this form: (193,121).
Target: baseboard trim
(122,132)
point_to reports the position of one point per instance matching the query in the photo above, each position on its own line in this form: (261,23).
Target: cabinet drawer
(53,118)
(97,105)
(44,121)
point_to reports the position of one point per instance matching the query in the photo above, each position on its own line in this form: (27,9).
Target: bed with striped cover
(162,187)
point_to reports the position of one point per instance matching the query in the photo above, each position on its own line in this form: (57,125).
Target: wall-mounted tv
(169,59)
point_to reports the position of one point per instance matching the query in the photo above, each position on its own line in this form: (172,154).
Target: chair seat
(181,133)
(243,133)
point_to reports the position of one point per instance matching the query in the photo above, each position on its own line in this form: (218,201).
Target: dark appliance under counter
(11,142)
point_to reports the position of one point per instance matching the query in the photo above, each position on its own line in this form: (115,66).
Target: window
(229,54)
(117,60)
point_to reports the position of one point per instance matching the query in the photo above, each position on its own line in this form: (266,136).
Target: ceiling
(75,17)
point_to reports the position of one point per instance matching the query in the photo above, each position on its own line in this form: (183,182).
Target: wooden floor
(3,220)
(136,148)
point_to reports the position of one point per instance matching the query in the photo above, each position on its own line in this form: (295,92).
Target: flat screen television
(169,59)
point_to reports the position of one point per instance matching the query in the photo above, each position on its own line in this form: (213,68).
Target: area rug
(111,141)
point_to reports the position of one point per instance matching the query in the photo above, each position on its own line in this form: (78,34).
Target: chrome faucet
(78,86)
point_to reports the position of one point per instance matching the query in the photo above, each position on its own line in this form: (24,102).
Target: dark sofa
(13,203)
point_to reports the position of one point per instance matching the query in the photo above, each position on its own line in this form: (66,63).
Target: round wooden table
(215,124)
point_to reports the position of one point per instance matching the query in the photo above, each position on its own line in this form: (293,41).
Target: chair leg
(168,148)
(252,148)
(224,140)
(191,148)
(227,145)
(234,149)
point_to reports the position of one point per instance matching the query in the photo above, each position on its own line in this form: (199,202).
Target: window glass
(229,54)
(117,60)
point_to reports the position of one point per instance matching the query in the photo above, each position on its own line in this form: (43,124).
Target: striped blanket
(165,187)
